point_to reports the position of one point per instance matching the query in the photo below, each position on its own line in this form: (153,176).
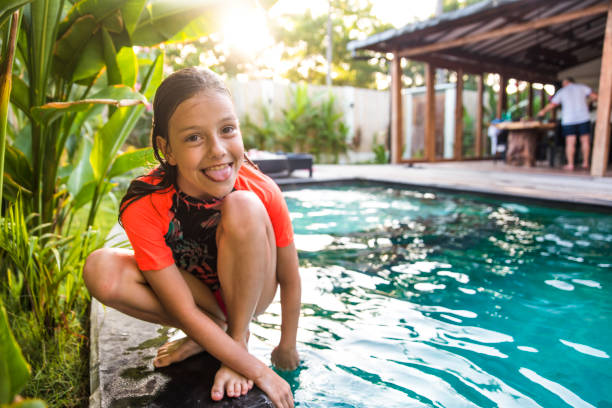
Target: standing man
(575,119)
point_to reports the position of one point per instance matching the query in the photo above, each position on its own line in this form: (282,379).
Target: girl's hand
(285,358)
(276,388)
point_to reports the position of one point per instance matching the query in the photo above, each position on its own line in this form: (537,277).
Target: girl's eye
(227,130)
(192,138)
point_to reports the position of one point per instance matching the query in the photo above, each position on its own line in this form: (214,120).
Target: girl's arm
(176,297)
(285,355)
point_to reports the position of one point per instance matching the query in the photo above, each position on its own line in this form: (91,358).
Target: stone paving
(122,348)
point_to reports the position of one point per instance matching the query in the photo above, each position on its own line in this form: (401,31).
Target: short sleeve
(146,225)
(279,217)
(556,99)
(272,198)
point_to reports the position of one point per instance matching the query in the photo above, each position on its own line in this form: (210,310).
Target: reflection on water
(417,299)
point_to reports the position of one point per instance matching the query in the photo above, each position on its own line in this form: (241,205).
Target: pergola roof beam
(516,28)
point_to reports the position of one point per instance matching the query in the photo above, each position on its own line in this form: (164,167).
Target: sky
(396,12)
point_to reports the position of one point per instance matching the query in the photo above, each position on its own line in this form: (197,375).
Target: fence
(366,113)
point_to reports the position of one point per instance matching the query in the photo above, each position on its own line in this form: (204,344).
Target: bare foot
(229,382)
(584,166)
(175,351)
(568,167)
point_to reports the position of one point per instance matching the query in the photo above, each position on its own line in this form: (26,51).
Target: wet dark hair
(175,89)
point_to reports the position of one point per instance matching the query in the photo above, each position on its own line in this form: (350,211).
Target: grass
(59,353)
(60,362)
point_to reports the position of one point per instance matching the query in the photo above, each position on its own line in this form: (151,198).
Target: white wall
(366,111)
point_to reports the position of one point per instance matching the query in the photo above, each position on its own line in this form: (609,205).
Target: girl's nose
(216,149)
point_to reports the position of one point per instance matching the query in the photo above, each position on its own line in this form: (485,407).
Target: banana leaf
(163,19)
(14,371)
(7,7)
(131,160)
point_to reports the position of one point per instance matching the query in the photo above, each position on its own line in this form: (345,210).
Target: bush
(306,126)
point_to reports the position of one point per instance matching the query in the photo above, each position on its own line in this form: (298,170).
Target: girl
(212,240)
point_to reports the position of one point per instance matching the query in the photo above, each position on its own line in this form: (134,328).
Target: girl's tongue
(219,173)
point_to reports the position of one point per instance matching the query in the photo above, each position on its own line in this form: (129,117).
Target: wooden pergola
(528,40)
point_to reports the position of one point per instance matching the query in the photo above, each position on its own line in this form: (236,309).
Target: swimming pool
(427,299)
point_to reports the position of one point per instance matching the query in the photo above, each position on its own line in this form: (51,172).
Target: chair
(300,161)
(278,166)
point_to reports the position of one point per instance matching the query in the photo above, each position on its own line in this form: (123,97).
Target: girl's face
(205,144)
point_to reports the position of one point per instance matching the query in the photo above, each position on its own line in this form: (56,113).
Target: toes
(216,393)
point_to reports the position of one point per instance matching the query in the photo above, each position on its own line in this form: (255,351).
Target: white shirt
(574,108)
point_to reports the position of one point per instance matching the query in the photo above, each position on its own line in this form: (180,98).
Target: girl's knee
(243,215)
(102,273)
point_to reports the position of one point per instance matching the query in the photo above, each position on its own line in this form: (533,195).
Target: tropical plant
(42,273)
(14,370)
(380,154)
(309,124)
(74,62)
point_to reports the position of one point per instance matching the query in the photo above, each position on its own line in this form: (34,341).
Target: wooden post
(479,115)
(601,144)
(458,145)
(530,100)
(430,113)
(397,128)
(502,101)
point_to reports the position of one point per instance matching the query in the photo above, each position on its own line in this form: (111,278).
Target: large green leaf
(86,194)
(42,19)
(130,12)
(18,167)
(154,78)
(163,19)
(131,160)
(128,66)
(91,60)
(114,22)
(99,9)
(20,95)
(70,46)
(82,173)
(110,58)
(7,7)
(111,137)
(198,28)
(14,370)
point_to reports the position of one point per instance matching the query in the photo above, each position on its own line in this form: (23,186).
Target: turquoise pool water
(415,299)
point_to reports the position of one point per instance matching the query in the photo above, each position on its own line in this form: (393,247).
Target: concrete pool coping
(569,190)
(122,348)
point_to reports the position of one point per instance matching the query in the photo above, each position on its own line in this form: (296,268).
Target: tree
(304,38)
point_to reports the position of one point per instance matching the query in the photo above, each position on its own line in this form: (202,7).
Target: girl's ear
(164,146)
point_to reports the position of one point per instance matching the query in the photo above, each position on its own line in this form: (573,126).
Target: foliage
(42,273)
(306,125)
(380,154)
(305,39)
(14,370)
(469,137)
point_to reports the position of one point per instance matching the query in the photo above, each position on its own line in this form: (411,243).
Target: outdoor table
(522,139)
